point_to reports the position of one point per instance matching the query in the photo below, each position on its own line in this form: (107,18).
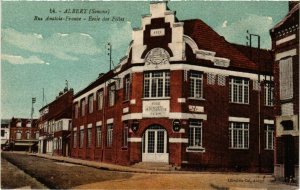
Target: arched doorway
(155,145)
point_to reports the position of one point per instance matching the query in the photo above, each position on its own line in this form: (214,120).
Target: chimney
(292,4)
(60,93)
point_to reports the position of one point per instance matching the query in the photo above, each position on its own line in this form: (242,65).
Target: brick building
(23,134)
(54,122)
(182,95)
(285,44)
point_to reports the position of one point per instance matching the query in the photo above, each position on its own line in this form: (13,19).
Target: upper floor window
(2,133)
(76,110)
(127,87)
(74,139)
(37,135)
(112,95)
(239,90)
(286,78)
(157,84)
(239,135)
(82,107)
(27,135)
(91,105)
(89,137)
(195,134)
(19,124)
(269,136)
(100,99)
(196,85)
(268,95)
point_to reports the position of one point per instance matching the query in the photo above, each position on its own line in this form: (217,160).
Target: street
(58,175)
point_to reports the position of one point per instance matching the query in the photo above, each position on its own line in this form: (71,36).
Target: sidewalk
(101,165)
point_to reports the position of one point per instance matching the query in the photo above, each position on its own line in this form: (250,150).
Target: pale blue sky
(43,54)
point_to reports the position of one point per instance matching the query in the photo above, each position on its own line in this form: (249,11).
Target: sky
(42,54)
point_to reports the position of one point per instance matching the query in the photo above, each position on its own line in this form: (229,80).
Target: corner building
(285,44)
(182,95)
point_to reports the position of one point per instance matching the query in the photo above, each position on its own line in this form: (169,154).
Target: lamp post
(249,38)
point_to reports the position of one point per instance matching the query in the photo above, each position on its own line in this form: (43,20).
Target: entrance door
(289,156)
(155,145)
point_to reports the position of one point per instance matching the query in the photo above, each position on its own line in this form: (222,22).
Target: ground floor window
(109,135)
(81,138)
(89,137)
(239,135)
(195,134)
(27,135)
(269,136)
(18,135)
(98,136)
(74,139)
(125,135)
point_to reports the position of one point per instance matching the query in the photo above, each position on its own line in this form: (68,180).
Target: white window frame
(75,139)
(193,126)
(109,135)
(37,135)
(81,138)
(269,136)
(286,78)
(125,135)
(99,136)
(269,94)
(239,135)
(127,87)
(100,99)
(196,85)
(89,138)
(82,106)
(112,95)
(150,79)
(28,134)
(91,103)
(239,90)
(20,137)
(76,110)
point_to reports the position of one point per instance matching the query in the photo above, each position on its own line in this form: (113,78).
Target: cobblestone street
(58,175)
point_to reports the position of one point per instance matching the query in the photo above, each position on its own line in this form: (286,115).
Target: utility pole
(249,37)
(109,48)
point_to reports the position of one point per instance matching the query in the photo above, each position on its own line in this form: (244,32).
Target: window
(195,134)
(269,135)
(125,135)
(157,84)
(27,135)
(111,98)
(82,107)
(89,137)
(100,99)
(109,135)
(19,124)
(286,78)
(196,85)
(2,133)
(239,135)
(269,90)
(239,90)
(81,138)
(74,139)
(76,110)
(91,101)
(18,135)
(127,87)
(37,135)
(98,136)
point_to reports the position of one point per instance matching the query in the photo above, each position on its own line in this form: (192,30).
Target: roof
(262,57)
(5,121)
(207,39)
(291,13)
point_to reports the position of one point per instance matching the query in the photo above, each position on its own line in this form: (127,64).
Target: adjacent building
(4,132)
(285,44)
(182,95)
(54,122)
(23,134)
